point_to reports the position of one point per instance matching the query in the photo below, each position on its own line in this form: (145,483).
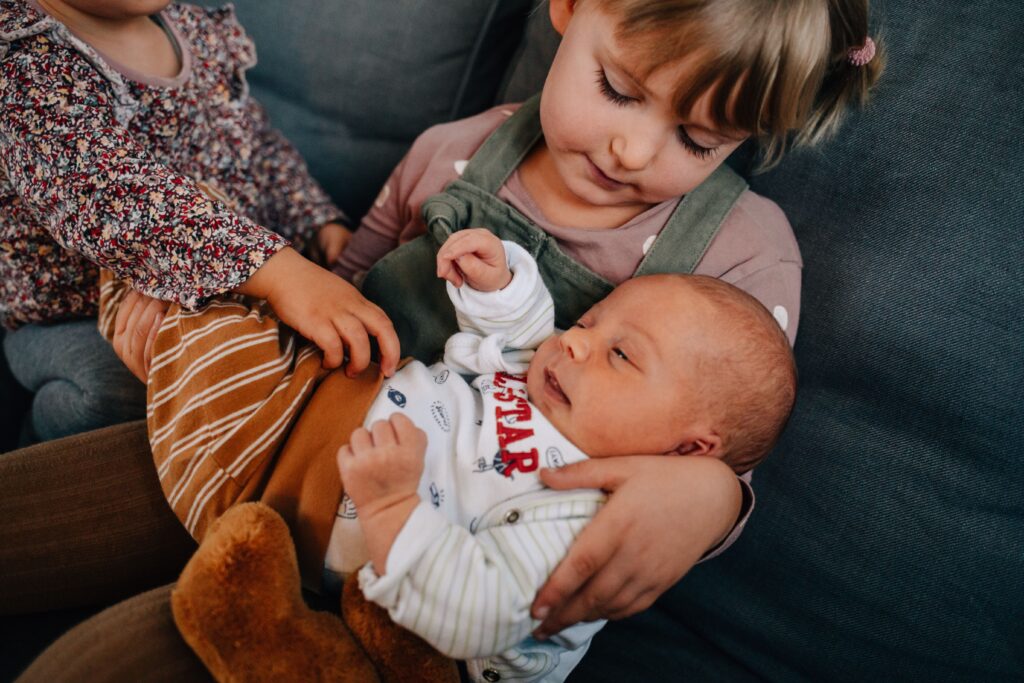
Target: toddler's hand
(381,466)
(622,562)
(325,309)
(331,240)
(135,327)
(476,257)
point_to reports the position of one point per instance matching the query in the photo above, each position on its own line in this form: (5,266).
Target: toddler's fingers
(124,311)
(379,325)
(147,356)
(326,337)
(353,333)
(344,453)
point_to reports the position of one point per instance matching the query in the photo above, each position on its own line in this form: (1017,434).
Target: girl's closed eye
(609,91)
(686,141)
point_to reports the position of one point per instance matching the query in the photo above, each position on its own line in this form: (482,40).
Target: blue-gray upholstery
(353,83)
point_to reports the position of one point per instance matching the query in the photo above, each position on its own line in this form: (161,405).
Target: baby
(444,475)
(444,472)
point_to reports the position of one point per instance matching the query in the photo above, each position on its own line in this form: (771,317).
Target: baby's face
(625,380)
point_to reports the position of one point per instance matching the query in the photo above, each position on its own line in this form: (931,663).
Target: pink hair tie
(859,56)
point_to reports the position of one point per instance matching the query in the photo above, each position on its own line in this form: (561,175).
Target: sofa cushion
(353,82)
(887,542)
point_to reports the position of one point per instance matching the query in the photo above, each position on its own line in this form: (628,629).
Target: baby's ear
(709,445)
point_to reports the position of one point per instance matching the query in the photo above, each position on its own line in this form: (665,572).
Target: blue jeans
(78,381)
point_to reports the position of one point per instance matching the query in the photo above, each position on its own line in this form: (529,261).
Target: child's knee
(63,406)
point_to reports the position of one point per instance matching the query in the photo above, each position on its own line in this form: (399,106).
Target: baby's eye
(580,324)
(621,354)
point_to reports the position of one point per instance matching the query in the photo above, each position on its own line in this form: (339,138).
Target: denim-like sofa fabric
(353,83)
(888,542)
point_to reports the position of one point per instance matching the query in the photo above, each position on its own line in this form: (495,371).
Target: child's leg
(79,383)
(226,384)
(135,640)
(84,522)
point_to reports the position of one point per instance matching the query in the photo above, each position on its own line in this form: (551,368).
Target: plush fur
(239,606)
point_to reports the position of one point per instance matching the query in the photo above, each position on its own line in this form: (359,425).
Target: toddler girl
(128,140)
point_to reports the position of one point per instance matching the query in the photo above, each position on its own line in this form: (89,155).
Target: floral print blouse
(180,186)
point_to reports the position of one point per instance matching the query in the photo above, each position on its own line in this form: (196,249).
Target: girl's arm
(101,194)
(663,515)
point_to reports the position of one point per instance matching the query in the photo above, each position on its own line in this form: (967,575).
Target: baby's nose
(574,344)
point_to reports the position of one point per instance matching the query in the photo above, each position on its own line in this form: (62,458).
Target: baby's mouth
(554,388)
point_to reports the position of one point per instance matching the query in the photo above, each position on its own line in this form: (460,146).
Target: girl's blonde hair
(772,67)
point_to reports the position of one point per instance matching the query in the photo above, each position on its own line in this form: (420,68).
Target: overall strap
(695,221)
(505,148)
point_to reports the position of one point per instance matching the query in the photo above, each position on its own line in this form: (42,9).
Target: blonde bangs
(761,63)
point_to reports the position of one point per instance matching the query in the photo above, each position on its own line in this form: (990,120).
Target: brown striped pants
(238,409)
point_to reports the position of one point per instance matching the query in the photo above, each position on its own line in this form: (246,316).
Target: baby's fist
(476,257)
(383,464)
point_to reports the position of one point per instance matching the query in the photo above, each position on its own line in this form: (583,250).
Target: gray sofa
(888,542)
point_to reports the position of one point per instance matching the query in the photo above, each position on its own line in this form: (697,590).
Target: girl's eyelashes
(614,96)
(696,150)
(610,92)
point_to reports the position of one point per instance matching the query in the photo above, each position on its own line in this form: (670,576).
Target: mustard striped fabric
(226,384)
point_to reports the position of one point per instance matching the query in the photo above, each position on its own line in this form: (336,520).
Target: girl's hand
(663,514)
(476,257)
(326,310)
(135,327)
(331,240)
(380,470)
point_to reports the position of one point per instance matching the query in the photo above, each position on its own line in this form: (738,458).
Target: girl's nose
(635,148)
(574,344)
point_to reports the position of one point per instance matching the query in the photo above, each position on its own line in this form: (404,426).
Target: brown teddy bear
(239,606)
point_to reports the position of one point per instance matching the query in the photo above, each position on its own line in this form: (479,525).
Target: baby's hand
(383,464)
(326,310)
(135,327)
(475,257)
(331,240)
(380,470)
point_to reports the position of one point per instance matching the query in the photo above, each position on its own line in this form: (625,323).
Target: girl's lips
(602,179)
(554,389)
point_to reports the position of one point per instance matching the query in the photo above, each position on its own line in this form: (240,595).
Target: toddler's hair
(772,67)
(750,375)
